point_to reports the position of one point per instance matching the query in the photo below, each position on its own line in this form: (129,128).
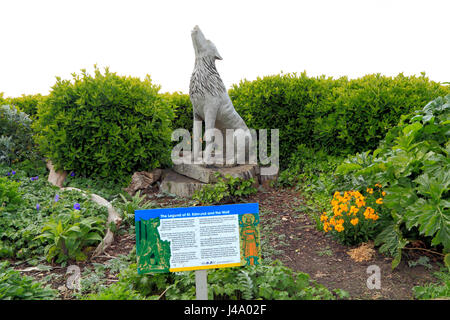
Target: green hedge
(183,109)
(105,125)
(339,116)
(26,103)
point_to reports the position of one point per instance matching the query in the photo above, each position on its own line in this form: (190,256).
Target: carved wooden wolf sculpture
(209,97)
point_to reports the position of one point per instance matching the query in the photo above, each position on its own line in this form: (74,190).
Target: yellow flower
(354,221)
(378,185)
(379,201)
(336,194)
(369,190)
(383,193)
(323,217)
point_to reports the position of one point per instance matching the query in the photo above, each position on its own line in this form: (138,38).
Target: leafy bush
(16,141)
(26,103)
(9,193)
(226,189)
(413,163)
(14,286)
(339,116)
(183,110)
(105,125)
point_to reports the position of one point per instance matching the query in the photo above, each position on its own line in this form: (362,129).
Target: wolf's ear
(218,57)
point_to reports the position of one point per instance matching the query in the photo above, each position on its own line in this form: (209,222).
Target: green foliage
(105,188)
(9,193)
(68,234)
(26,103)
(227,189)
(21,223)
(137,202)
(413,162)
(339,116)
(268,282)
(183,110)
(435,290)
(14,286)
(116,291)
(105,125)
(16,141)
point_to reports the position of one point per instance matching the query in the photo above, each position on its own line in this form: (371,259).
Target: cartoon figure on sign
(153,254)
(249,238)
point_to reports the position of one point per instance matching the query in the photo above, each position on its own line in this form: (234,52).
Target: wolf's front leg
(196,141)
(210,122)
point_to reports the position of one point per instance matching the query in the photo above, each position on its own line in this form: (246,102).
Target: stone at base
(179,185)
(207,175)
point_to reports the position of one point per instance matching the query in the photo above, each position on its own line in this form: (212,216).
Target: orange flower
(354,221)
(339,228)
(369,190)
(379,201)
(383,193)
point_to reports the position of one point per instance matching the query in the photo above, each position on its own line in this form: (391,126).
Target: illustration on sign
(194,238)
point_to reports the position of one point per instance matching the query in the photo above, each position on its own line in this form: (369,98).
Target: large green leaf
(392,242)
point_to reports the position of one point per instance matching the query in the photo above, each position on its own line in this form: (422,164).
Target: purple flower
(13,172)
(8,174)
(56,198)
(72,174)
(77,206)
(38,206)
(34,178)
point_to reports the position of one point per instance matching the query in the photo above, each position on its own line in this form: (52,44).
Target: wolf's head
(202,46)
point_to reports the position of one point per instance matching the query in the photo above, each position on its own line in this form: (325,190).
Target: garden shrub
(413,165)
(183,110)
(26,103)
(16,142)
(105,125)
(338,116)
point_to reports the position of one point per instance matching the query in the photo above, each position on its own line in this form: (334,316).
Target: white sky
(41,39)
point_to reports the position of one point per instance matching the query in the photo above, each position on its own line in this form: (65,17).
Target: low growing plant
(354,217)
(14,286)
(227,189)
(68,234)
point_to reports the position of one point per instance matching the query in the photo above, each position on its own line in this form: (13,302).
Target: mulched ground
(292,237)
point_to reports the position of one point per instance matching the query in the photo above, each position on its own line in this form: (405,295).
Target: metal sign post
(201,284)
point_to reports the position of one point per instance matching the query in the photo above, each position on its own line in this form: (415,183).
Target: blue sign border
(193,212)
